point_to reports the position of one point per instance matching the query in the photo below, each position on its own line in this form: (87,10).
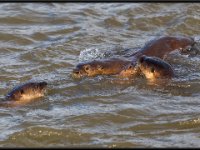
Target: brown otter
(154,68)
(26,92)
(100,67)
(158,48)
(162,46)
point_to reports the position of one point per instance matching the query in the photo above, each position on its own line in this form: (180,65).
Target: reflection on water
(44,41)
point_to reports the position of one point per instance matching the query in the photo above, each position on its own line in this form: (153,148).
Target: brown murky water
(46,41)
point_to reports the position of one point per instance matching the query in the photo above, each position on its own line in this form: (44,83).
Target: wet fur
(24,93)
(100,67)
(158,48)
(154,68)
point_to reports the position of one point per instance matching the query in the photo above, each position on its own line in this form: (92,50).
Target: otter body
(129,71)
(26,92)
(164,45)
(124,68)
(100,67)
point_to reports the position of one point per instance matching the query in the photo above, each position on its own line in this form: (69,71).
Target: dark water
(45,41)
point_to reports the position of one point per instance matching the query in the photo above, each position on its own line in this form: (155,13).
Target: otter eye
(87,68)
(152,69)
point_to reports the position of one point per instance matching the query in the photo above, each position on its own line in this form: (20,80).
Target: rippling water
(45,41)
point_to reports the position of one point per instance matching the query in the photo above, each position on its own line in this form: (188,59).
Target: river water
(45,41)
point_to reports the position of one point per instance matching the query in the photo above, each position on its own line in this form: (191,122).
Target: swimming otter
(26,92)
(99,67)
(158,48)
(154,68)
(162,46)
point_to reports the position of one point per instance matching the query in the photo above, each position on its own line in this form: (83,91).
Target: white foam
(91,54)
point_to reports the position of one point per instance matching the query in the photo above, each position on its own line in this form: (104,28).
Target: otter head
(89,69)
(130,70)
(183,43)
(27,91)
(153,68)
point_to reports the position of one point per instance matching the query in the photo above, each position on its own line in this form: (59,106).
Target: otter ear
(99,67)
(87,67)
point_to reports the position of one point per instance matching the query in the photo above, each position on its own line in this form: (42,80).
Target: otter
(24,93)
(155,68)
(149,66)
(164,45)
(158,48)
(99,67)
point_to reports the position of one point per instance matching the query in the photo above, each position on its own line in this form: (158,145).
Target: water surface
(46,41)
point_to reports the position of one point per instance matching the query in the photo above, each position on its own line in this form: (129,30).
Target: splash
(92,53)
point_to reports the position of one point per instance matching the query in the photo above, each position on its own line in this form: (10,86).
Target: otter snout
(78,73)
